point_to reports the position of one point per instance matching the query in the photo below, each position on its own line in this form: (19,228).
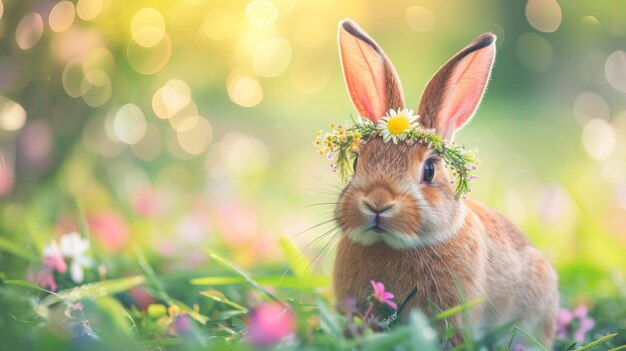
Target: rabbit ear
(371,79)
(454,92)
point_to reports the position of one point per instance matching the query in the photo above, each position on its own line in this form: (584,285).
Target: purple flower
(574,324)
(383,296)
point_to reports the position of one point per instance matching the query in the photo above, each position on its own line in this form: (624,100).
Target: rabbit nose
(379,200)
(378,209)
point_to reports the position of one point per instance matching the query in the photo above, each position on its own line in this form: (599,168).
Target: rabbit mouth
(378,229)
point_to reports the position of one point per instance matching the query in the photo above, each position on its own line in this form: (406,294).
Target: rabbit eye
(354,163)
(429,171)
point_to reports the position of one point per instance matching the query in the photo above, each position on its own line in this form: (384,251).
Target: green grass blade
(298,263)
(288,282)
(154,281)
(26,284)
(94,290)
(623,347)
(595,343)
(219,297)
(532,338)
(231,267)
(459,308)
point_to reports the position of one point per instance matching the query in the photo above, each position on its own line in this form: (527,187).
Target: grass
(220,307)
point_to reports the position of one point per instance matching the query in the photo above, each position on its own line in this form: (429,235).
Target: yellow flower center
(398,124)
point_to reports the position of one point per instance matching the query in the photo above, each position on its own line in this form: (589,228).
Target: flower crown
(342,143)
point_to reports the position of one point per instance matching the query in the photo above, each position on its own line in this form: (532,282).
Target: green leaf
(597,342)
(219,297)
(94,290)
(25,284)
(287,282)
(231,267)
(459,308)
(298,263)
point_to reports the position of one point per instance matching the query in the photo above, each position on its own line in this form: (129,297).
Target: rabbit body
(400,220)
(488,258)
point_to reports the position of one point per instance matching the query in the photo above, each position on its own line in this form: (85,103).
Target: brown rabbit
(401,222)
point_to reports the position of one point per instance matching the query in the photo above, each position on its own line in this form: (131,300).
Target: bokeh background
(178,126)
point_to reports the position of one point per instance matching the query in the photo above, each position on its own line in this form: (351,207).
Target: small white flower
(75,248)
(395,125)
(53,257)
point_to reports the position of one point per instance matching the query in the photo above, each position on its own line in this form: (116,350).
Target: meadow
(160,190)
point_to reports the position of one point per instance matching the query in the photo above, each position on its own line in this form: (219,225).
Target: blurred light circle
(243,155)
(29,30)
(544,15)
(99,59)
(173,146)
(12,114)
(184,120)
(261,13)
(244,90)
(149,60)
(311,30)
(173,97)
(1,8)
(598,139)
(615,70)
(150,146)
(589,105)
(72,78)
(176,94)
(272,57)
(61,16)
(99,137)
(196,140)
(147,27)
(420,19)
(97,88)
(248,42)
(129,124)
(218,24)
(89,9)
(534,52)
(591,22)
(614,171)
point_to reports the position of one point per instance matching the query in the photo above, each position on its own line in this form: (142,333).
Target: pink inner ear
(364,71)
(464,90)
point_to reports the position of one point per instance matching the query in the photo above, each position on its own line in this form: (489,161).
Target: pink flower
(110,229)
(269,324)
(383,296)
(53,257)
(45,278)
(574,324)
(145,202)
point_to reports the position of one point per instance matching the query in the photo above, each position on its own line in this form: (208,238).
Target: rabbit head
(401,194)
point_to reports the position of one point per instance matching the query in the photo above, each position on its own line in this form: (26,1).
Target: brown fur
(423,236)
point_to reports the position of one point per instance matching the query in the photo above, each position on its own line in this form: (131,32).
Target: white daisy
(395,125)
(75,248)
